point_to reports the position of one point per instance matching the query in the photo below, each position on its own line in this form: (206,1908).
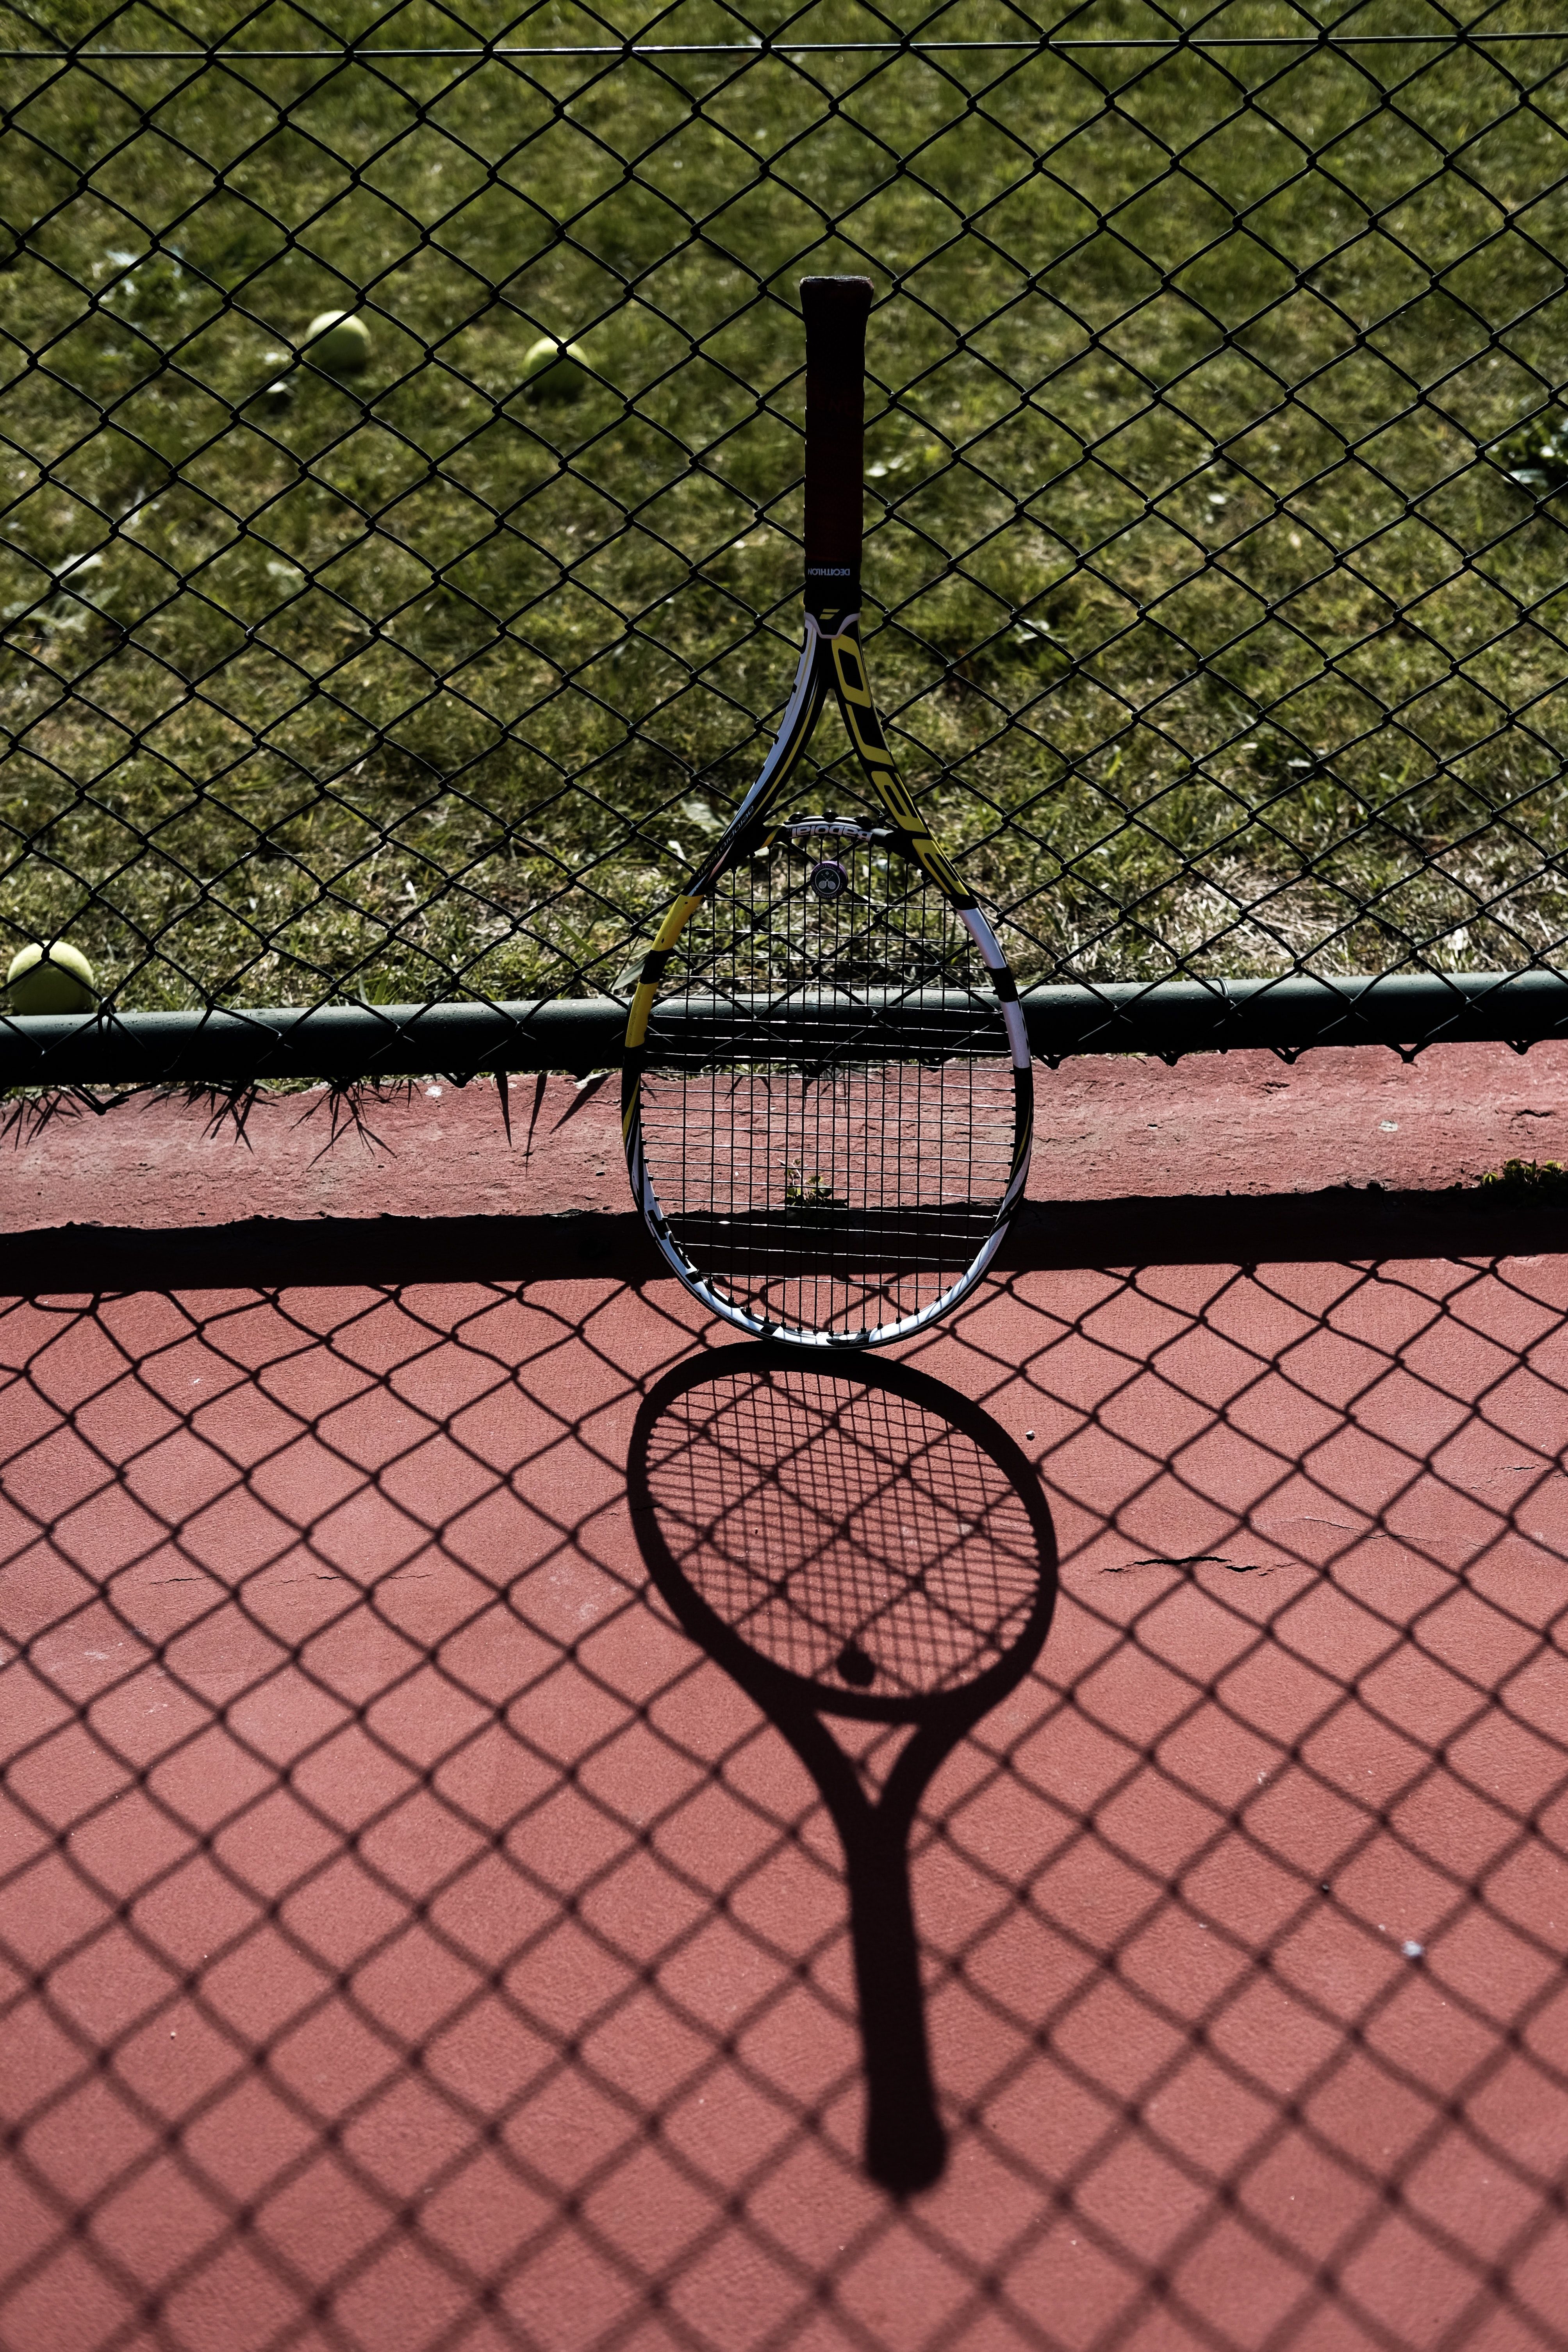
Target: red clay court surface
(411,1940)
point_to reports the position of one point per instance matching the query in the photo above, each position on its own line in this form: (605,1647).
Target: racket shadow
(852,1540)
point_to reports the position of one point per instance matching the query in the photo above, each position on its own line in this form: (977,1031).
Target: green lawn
(1207,615)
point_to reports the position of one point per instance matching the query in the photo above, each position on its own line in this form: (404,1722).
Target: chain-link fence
(1215,561)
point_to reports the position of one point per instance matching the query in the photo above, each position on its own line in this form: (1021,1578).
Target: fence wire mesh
(1218,564)
(413,1940)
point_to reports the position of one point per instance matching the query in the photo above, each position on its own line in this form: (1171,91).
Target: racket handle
(835,312)
(906,2147)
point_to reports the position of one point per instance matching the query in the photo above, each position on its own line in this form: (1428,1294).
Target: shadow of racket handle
(906,2147)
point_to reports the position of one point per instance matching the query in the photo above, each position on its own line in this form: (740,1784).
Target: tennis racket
(858,1543)
(826,1093)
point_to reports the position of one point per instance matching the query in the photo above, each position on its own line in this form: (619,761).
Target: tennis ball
(553,370)
(57,979)
(338,341)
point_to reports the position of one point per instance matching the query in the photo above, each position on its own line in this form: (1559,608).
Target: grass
(1207,613)
(1535,1179)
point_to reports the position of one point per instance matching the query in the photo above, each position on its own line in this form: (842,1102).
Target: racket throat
(813,684)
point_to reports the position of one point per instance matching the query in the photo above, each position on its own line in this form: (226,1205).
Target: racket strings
(828,1107)
(848,1535)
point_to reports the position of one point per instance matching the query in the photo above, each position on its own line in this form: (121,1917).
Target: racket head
(807,1521)
(829,1102)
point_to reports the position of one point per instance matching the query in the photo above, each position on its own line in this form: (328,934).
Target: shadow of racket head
(852,1540)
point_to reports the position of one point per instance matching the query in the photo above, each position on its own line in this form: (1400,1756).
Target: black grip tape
(834,310)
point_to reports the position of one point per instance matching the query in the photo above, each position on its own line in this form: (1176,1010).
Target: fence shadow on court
(412,1938)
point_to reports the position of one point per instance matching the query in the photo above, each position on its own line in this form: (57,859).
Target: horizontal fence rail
(1217,450)
(343,1044)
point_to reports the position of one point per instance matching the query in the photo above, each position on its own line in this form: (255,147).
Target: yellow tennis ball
(553,370)
(338,341)
(57,979)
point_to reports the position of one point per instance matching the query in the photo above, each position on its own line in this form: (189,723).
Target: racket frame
(832,663)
